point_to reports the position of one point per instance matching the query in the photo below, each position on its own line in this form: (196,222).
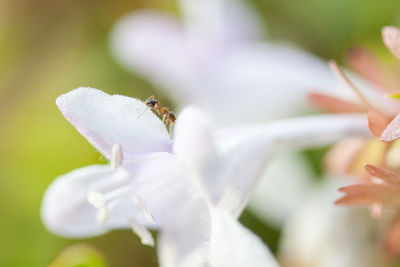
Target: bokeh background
(48,47)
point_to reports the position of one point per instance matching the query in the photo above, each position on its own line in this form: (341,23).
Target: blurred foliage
(315,156)
(79,255)
(49,47)
(268,234)
(329,27)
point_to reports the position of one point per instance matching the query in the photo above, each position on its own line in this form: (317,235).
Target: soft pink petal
(392,131)
(377,122)
(340,158)
(369,194)
(370,67)
(383,174)
(106,120)
(333,105)
(392,238)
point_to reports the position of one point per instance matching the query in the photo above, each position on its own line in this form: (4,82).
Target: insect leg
(141,114)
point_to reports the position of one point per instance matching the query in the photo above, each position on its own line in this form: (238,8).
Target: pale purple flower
(191,188)
(216,57)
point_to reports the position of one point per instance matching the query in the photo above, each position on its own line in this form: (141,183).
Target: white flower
(215,57)
(320,234)
(153,182)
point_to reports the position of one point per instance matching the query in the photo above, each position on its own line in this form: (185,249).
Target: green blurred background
(48,47)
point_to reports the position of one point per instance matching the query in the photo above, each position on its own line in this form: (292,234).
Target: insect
(167,116)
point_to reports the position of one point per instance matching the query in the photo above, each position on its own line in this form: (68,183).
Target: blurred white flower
(214,58)
(284,185)
(191,188)
(320,234)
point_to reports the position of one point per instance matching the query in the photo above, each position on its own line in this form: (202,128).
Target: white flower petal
(156,46)
(170,256)
(65,209)
(233,245)
(95,199)
(264,81)
(220,22)
(229,173)
(185,240)
(160,182)
(194,146)
(247,151)
(107,120)
(152,44)
(192,139)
